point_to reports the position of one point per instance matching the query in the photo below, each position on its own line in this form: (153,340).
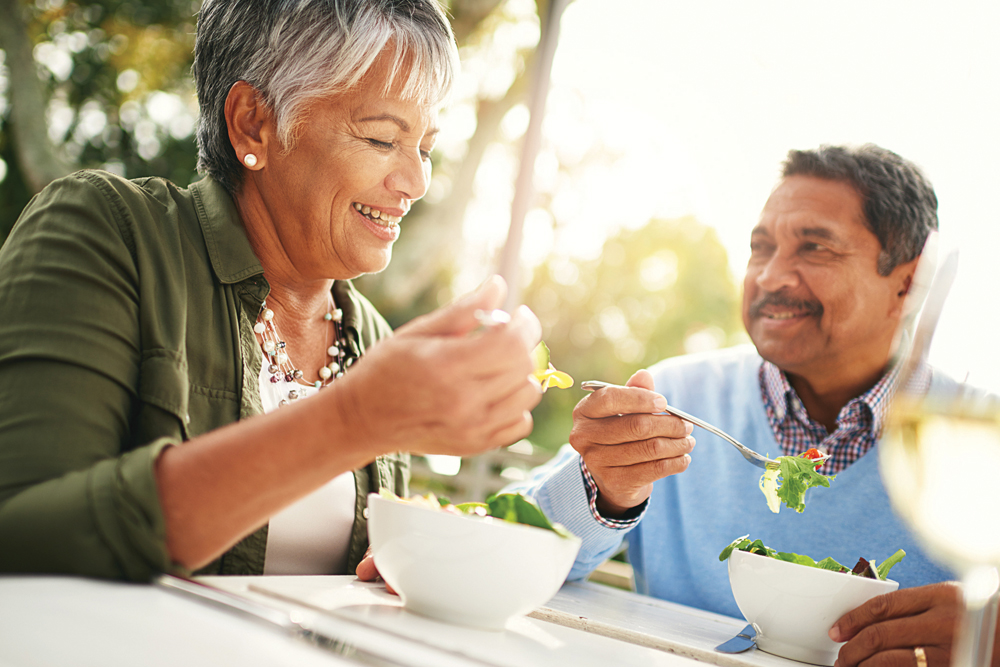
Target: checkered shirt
(859,426)
(631,517)
(859,423)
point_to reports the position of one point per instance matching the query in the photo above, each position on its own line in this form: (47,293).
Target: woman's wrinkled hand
(445,385)
(366,570)
(884,631)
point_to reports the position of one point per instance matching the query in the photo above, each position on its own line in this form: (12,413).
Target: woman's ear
(250,124)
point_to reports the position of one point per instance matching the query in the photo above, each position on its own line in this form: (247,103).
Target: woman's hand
(884,631)
(367,571)
(444,385)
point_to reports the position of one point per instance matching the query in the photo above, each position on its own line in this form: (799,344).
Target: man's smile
(778,306)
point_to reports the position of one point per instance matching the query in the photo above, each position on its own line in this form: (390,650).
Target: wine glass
(940,451)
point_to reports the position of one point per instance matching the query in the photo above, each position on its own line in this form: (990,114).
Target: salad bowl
(468,570)
(792,607)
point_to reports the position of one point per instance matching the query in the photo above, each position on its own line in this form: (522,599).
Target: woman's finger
(459,316)
(366,570)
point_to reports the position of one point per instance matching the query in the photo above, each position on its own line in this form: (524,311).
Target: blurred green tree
(97,84)
(655,292)
(107,84)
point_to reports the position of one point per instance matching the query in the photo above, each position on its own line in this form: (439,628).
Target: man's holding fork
(832,260)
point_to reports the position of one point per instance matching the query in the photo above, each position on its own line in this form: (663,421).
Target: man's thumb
(459,317)
(642,379)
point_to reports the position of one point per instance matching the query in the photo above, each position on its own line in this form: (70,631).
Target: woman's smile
(382,225)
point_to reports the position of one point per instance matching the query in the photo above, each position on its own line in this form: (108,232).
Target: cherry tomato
(813,453)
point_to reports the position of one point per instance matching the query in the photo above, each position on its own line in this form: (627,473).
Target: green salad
(512,507)
(864,568)
(797,474)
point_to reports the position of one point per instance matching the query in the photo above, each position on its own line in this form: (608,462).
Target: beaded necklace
(280,365)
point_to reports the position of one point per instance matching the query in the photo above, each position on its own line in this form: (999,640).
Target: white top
(312,535)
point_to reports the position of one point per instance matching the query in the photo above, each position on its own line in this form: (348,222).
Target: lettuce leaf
(757,547)
(886,565)
(513,507)
(519,508)
(797,474)
(825,564)
(545,372)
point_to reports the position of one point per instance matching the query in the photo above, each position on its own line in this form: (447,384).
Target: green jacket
(126,314)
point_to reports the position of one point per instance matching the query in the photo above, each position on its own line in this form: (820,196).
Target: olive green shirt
(126,315)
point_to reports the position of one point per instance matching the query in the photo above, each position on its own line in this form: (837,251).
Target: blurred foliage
(655,292)
(120,96)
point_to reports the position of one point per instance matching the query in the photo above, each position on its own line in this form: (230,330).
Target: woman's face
(357,156)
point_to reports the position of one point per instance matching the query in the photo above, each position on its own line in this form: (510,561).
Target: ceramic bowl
(794,606)
(472,571)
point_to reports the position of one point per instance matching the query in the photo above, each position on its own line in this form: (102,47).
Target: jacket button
(364,512)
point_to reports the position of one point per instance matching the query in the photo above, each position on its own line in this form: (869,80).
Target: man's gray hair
(898,201)
(294,51)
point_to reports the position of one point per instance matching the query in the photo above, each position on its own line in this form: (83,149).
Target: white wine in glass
(940,464)
(939,458)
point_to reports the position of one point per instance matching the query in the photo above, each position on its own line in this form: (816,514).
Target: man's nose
(778,273)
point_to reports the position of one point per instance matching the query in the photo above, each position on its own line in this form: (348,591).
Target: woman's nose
(411,177)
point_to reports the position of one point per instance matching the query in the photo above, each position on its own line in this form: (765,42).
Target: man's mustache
(782,300)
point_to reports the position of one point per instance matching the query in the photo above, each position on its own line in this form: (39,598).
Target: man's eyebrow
(822,233)
(758,231)
(403,125)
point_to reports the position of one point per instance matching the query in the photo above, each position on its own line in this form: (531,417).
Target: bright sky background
(705,98)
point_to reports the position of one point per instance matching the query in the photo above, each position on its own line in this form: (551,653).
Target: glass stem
(974,643)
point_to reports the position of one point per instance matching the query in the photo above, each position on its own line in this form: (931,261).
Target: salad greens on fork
(797,473)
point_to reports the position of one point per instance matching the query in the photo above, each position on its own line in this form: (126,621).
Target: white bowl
(793,606)
(472,571)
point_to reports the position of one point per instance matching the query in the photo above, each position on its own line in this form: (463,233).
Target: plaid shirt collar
(859,423)
(874,403)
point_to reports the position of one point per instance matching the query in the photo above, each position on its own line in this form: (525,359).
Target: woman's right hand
(442,385)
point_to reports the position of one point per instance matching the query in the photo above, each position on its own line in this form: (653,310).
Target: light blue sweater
(690,517)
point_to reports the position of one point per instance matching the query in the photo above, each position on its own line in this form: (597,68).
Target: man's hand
(625,445)
(884,631)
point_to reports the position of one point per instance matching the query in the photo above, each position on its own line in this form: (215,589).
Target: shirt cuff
(631,517)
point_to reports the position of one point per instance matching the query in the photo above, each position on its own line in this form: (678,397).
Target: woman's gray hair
(294,51)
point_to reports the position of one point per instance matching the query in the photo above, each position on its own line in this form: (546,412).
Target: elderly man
(832,259)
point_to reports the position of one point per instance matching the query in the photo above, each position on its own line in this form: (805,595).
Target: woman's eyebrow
(403,125)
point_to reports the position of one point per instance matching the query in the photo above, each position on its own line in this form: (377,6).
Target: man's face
(813,301)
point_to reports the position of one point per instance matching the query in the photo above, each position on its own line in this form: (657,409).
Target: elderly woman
(143,326)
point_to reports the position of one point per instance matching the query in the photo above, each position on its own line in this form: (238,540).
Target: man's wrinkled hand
(884,631)
(625,445)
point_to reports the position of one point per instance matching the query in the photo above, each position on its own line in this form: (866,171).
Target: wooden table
(72,621)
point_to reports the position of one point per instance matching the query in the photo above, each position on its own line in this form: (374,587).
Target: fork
(749,454)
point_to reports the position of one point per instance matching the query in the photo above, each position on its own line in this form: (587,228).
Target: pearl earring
(250,160)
